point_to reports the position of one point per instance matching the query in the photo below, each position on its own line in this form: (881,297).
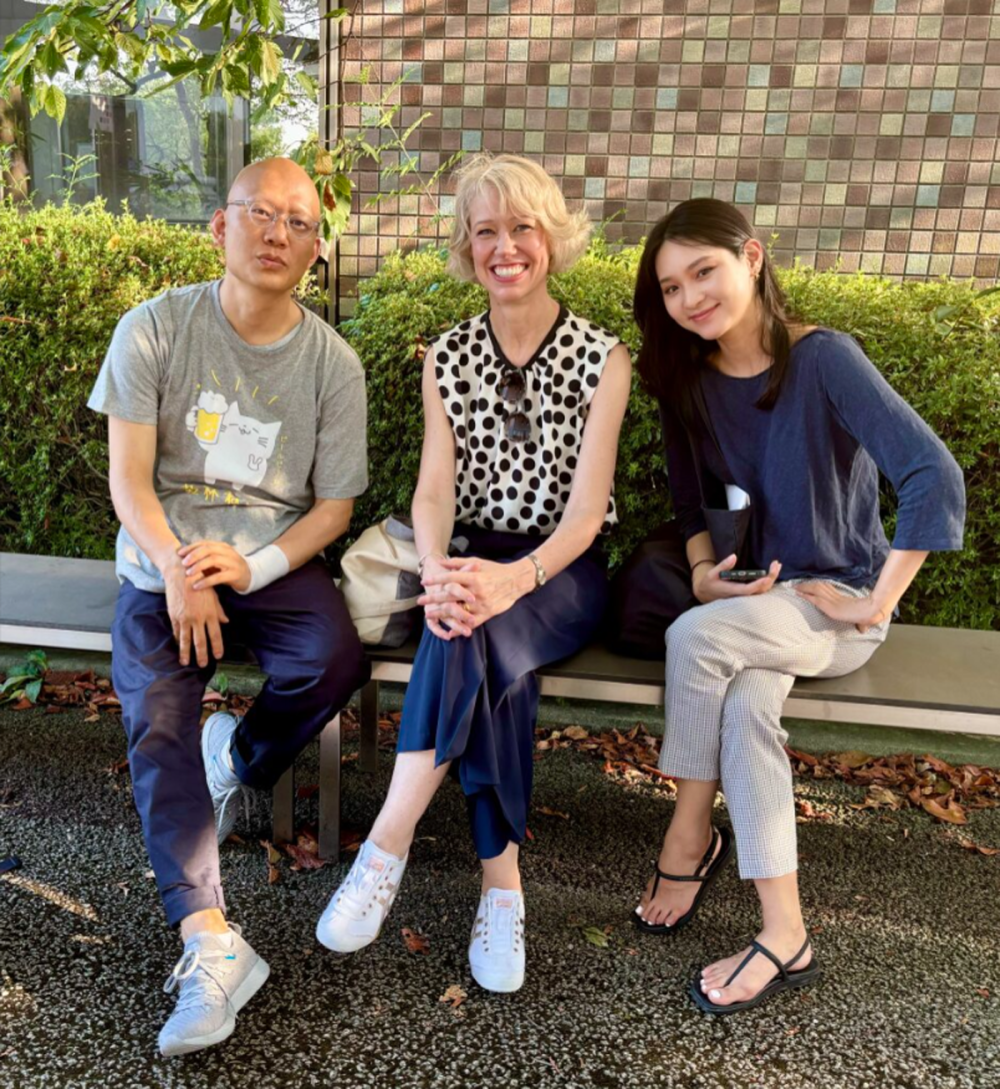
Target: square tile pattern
(854,133)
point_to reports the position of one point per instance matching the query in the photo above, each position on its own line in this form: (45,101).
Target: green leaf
(270,62)
(51,60)
(218,13)
(55,103)
(33,690)
(338,14)
(15,681)
(276,15)
(307,83)
(38,659)
(596,936)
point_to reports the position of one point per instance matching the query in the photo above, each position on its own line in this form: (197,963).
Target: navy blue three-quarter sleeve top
(811,465)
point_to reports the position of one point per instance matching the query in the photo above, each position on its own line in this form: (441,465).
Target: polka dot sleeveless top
(521,487)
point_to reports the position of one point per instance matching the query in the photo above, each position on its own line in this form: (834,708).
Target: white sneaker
(357,910)
(223,784)
(217,976)
(496,951)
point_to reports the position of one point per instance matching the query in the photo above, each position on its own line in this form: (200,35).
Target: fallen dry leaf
(273,854)
(454,996)
(851,759)
(806,812)
(970,845)
(552,812)
(983,992)
(880,797)
(304,852)
(273,874)
(575,733)
(951,811)
(415,943)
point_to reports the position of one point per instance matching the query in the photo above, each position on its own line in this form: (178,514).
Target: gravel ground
(905,921)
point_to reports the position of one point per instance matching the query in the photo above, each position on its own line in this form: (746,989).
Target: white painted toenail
(638,912)
(716,994)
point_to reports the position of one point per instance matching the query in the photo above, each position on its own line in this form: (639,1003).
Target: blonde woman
(523,405)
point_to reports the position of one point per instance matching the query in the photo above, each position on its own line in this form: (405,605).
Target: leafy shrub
(950,374)
(67,275)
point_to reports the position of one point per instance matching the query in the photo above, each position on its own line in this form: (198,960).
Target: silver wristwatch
(540,576)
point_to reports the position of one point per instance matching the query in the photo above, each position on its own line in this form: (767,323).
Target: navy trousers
(475,700)
(299,630)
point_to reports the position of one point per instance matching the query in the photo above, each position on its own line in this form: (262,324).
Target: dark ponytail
(671,357)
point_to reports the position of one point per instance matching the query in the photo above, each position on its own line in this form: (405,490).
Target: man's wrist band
(266,566)
(695,566)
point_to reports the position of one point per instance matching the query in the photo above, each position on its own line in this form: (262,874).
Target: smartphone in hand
(742,575)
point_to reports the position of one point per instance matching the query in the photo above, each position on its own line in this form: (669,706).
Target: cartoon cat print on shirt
(238,446)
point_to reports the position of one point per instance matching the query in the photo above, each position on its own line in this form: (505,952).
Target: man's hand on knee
(196,616)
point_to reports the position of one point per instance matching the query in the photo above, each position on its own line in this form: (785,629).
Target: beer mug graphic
(208,418)
(207,425)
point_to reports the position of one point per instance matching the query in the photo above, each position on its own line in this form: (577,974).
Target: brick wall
(858,131)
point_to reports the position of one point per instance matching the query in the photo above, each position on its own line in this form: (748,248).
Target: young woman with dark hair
(790,424)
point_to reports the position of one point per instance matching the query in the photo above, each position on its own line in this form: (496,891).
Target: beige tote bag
(380,583)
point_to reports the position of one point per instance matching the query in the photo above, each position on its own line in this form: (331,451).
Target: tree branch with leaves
(131,38)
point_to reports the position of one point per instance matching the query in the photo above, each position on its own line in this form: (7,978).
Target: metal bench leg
(368,760)
(283,808)
(329,791)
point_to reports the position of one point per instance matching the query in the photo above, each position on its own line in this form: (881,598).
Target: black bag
(649,592)
(653,587)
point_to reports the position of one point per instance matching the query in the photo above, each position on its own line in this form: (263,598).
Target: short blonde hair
(523,187)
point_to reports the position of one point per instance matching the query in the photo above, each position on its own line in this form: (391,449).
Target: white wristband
(266,566)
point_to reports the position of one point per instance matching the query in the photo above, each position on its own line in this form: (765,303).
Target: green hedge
(67,275)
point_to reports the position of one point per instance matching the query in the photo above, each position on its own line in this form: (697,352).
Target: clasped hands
(461,593)
(196,614)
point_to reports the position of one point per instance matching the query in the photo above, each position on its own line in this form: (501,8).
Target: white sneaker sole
(339,951)
(255,979)
(498,983)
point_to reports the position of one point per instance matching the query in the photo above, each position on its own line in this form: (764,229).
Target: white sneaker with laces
(223,783)
(357,910)
(496,951)
(216,977)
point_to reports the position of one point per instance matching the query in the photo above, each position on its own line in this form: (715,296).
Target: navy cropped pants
(475,700)
(299,630)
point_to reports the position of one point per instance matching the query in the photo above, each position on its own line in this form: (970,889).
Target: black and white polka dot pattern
(519,487)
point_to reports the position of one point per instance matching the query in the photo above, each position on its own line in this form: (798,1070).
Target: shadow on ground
(905,922)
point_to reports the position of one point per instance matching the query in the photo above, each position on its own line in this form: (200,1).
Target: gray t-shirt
(248,436)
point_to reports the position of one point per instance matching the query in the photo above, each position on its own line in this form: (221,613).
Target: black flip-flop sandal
(787,979)
(708,870)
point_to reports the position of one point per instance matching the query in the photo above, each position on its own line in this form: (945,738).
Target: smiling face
(510,252)
(709,290)
(268,257)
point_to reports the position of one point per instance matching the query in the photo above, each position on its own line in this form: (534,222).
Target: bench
(943,679)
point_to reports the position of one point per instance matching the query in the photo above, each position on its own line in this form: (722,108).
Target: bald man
(236,427)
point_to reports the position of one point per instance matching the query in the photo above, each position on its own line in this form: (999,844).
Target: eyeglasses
(262,215)
(516,426)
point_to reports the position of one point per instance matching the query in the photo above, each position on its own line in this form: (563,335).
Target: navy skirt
(474,700)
